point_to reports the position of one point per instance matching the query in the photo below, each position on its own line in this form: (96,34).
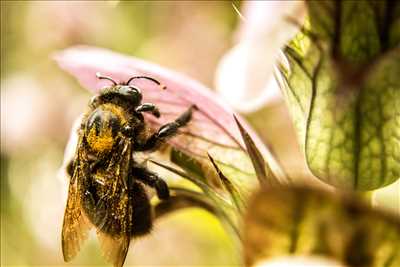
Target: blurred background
(39,103)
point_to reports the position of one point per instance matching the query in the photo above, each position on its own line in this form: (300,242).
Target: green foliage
(304,221)
(343,89)
(223,195)
(263,172)
(212,198)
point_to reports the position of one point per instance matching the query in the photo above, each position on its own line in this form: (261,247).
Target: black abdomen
(123,213)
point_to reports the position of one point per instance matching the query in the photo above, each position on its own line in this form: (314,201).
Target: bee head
(125,90)
(130,93)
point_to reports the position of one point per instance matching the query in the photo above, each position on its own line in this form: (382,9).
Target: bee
(106,188)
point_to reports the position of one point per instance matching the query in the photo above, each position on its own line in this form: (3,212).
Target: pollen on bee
(116,110)
(101,142)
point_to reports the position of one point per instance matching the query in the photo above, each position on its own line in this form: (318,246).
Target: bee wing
(114,248)
(75,226)
(117,212)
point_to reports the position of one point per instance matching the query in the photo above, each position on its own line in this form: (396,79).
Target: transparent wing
(115,213)
(114,248)
(75,226)
(114,233)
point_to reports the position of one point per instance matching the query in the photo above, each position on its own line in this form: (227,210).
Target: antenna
(101,77)
(163,87)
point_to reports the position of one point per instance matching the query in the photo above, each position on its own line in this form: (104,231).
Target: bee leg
(170,129)
(152,179)
(166,131)
(148,107)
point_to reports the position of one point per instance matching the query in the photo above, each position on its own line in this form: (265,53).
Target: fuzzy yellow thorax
(102,142)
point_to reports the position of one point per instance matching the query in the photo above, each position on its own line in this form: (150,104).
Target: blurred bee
(106,183)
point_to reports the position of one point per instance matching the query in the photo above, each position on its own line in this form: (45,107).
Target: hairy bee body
(106,183)
(102,126)
(111,198)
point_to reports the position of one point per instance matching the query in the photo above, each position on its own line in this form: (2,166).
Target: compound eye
(132,93)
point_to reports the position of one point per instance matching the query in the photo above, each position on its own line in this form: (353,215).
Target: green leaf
(343,90)
(233,192)
(224,178)
(263,171)
(307,222)
(197,180)
(209,199)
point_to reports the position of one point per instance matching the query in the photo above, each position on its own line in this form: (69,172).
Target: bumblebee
(106,188)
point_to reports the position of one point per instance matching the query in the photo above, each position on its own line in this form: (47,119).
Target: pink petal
(213,121)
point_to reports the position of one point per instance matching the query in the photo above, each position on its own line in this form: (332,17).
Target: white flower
(245,74)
